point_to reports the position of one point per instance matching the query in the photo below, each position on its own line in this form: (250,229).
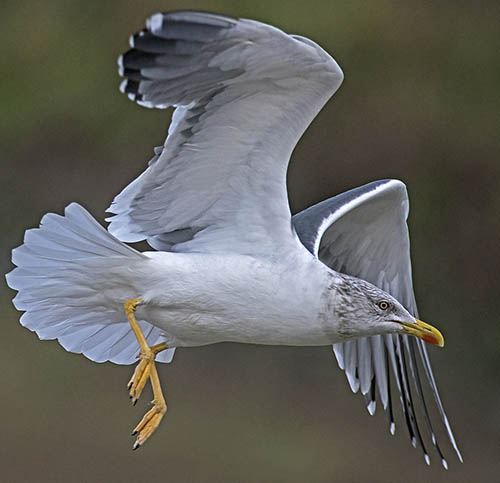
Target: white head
(361,309)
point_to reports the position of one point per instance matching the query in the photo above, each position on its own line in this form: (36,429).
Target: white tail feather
(61,293)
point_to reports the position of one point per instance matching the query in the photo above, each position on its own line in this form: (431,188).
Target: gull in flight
(230,262)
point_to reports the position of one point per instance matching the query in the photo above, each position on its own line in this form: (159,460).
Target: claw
(149,423)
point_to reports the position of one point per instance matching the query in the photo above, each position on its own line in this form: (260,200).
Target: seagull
(230,262)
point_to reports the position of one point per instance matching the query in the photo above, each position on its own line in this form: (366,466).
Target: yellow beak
(424,331)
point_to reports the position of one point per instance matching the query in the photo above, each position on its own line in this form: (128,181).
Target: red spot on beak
(430,339)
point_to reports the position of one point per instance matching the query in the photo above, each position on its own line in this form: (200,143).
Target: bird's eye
(383,305)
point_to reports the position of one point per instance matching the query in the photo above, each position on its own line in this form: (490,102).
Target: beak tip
(432,339)
(429,334)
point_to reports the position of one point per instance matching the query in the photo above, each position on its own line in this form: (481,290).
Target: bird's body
(232,263)
(238,298)
(231,298)
(234,298)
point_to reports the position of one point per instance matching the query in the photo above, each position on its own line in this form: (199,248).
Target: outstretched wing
(363,233)
(244,93)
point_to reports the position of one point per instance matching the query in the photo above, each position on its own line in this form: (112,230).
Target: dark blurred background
(420,102)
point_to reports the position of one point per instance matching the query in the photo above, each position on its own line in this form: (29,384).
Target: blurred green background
(420,102)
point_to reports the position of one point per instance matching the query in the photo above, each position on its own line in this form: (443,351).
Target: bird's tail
(63,269)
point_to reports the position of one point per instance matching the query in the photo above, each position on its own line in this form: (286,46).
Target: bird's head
(361,310)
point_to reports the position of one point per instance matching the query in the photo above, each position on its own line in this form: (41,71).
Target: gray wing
(244,93)
(363,233)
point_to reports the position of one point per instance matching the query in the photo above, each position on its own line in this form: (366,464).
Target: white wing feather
(245,93)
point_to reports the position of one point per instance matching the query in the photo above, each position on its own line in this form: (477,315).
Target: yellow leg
(145,370)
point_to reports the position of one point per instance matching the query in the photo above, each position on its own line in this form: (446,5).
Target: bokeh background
(420,102)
